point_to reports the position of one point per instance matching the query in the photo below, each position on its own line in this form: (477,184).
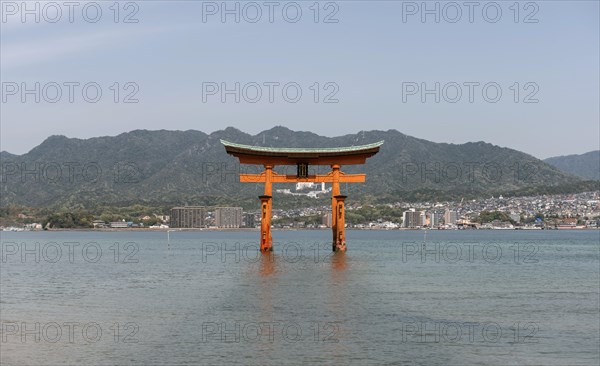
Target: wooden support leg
(340,242)
(335,192)
(266,242)
(333,221)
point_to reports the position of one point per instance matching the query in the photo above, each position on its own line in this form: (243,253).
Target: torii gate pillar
(339,230)
(266,241)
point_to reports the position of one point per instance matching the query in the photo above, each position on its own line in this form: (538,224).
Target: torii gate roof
(249,154)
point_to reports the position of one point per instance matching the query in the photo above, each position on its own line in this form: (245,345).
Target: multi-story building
(326,219)
(188,217)
(435,219)
(228,217)
(424,220)
(249,220)
(412,219)
(303,185)
(450,217)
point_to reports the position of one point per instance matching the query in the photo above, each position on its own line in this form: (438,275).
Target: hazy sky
(371,60)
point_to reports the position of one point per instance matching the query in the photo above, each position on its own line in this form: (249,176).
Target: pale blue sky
(369,53)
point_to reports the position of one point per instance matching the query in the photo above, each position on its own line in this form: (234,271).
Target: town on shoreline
(567,211)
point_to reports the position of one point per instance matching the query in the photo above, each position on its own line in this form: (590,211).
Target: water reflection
(339,263)
(266,270)
(267,264)
(351,307)
(336,326)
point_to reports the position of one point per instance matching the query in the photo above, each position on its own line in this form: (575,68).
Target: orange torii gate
(335,157)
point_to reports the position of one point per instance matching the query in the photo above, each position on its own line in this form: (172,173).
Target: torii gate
(335,157)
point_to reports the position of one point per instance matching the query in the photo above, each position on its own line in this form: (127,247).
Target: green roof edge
(303,150)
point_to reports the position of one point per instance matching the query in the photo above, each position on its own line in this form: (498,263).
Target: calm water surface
(396,297)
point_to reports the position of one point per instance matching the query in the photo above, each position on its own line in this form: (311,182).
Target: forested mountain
(585,165)
(192,167)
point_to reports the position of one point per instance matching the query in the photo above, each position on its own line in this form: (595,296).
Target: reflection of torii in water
(335,157)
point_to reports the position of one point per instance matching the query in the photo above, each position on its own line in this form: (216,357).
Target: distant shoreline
(281,229)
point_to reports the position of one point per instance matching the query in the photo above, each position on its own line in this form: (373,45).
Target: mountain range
(192,168)
(584,165)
